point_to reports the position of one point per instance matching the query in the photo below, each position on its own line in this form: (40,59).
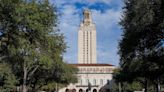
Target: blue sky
(105,13)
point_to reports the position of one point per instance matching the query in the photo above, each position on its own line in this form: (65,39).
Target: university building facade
(92,76)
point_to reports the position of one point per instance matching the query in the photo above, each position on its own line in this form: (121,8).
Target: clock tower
(87,40)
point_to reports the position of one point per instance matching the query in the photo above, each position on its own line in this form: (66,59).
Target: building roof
(91,64)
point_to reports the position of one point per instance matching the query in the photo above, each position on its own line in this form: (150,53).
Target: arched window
(74,90)
(94,90)
(67,90)
(80,90)
(87,90)
(101,81)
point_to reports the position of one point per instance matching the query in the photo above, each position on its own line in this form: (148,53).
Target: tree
(31,43)
(126,82)
(62,75)
(7,78)
(141,47)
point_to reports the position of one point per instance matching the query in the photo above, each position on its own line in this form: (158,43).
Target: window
(87,81)
(101,81)
(81,82)
(94,90)
(67,90)
(80,90)
(94,82)
(74,90)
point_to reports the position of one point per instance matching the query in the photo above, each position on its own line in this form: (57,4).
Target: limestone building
(92,76)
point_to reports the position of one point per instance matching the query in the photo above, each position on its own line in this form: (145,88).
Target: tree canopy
(142,45)
(31,44)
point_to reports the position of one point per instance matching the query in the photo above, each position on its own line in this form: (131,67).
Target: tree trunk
(146,85)
(24,78)
(120,89)
(158,87)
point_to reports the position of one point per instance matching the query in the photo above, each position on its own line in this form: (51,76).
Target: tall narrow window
(94,82)
(101,81)
(87,81)
(81,82)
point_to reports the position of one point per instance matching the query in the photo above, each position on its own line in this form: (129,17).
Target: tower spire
(87,17)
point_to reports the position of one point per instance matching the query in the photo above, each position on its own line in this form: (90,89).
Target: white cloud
(107,35)
(107,20)
(69,21)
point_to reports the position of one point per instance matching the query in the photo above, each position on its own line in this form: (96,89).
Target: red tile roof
(91,64)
